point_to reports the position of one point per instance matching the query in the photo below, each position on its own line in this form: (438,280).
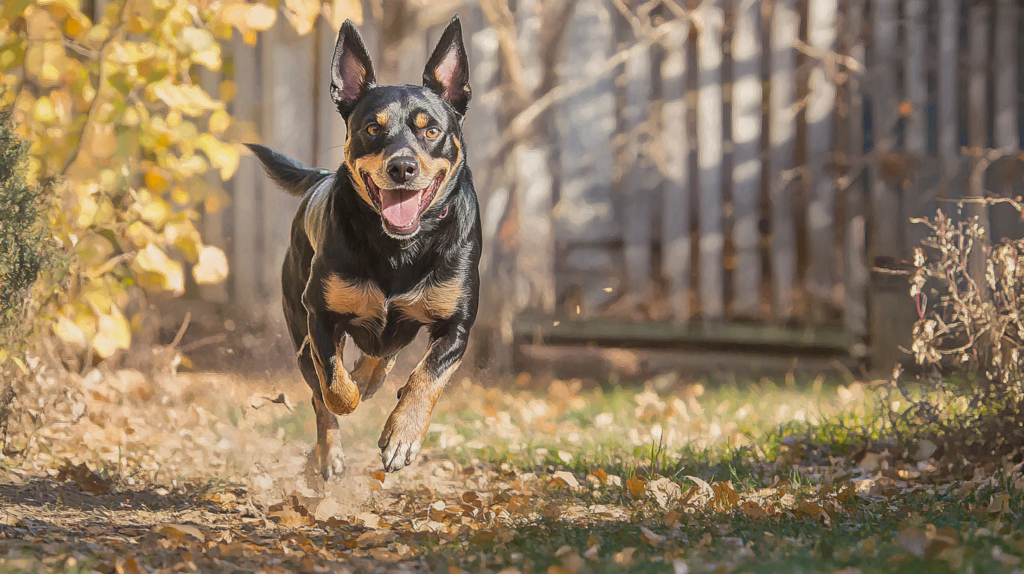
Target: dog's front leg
(407,426)
(341,396)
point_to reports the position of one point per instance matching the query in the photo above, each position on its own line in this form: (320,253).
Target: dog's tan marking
(422,120)
(432,165)
(364,300)
(370,372)
(382,117)
(407,425)
(429,303)
(341,396)
(372,165)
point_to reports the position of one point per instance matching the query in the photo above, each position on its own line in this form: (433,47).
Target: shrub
(25,246)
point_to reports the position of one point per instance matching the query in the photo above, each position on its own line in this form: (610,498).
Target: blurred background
(696,181)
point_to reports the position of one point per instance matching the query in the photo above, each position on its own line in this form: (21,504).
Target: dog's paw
(401,440)
(332,463)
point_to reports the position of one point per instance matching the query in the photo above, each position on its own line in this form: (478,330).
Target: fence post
(821,35)
(245,187)
(746,156)
(785,26)
(636,183)
(977,123)
(1006,219)
(289,70)
(917,122)
(675,216)
(709,160)
(856,275)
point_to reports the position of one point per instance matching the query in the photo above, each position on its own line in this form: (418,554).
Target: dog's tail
(290,175)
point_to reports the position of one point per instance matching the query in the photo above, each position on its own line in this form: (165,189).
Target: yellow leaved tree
(115,118)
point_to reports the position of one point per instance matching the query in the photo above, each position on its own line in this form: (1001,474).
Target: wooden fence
(718,173)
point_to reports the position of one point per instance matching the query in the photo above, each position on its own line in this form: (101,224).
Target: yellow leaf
(102,141)
(189,100)
(69,332)
(222,156)
(44,111)
(636,486)
(337,11)
(114,333)
(131,52)
(212,267)
(302,14)
(219,121)
(154,260)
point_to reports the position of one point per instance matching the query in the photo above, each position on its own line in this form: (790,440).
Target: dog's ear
(447,71)
(351,71)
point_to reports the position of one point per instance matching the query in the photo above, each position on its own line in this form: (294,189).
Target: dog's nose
(403,168)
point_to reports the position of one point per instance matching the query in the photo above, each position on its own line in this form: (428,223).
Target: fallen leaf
(369,519)
(636,486)
(651,537)
(567,478)
(180,532)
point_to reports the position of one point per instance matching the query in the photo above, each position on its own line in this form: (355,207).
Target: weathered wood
(916,138)
(712,334)
(948,58)
(289,70)
(637,184)
(886,209)
(1006,219)
(329,125)
(216,198)
(785,25)
(746,156)
(709,161)
(585,123)
(980,17)
(889,302)
(676,247)
(535,260)
(856,276)
(821,35)
(245,189)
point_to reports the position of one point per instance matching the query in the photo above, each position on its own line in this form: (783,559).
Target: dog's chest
(426,303)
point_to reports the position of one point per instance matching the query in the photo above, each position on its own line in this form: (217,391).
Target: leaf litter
(120,473)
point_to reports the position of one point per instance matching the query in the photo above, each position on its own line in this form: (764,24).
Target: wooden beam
(821,35)
(785,26)
(747,117)
(676,247)
(245,190)
(856,276)
(711,243)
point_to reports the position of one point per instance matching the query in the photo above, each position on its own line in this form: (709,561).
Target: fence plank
(245,187)
(585,125)
(1006,219)
(746,156)
(821,35)
(288,86)
(855,315)
(785,26)
(213,208)
(916,139)
(637,185)
(886,206)
(675,216)
(949,131)
(709,161)
(329,125)
(977,122)
(888,298)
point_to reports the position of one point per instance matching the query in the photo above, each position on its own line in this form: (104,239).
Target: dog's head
(404,146)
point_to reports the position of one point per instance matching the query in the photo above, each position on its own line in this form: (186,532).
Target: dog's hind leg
(329,454)
(370,373)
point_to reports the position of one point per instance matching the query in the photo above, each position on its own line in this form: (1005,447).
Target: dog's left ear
(447,71)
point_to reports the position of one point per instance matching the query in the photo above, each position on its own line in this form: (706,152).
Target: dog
(386,245)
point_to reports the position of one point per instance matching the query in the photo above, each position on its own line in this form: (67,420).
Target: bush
(968,340)
(24,244)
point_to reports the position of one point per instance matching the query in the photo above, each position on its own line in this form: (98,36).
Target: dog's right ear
(351,71)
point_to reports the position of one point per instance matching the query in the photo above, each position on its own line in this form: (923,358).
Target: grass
(787,476)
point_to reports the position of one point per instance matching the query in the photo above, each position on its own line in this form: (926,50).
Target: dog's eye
(433,133)
(373,129)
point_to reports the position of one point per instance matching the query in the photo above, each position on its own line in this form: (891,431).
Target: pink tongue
(400,207)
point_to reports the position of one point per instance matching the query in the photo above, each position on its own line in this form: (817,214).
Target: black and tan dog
(384,246)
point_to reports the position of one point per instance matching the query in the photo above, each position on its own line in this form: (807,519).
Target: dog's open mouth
(401,208)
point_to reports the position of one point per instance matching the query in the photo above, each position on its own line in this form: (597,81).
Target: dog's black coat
(344,263)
